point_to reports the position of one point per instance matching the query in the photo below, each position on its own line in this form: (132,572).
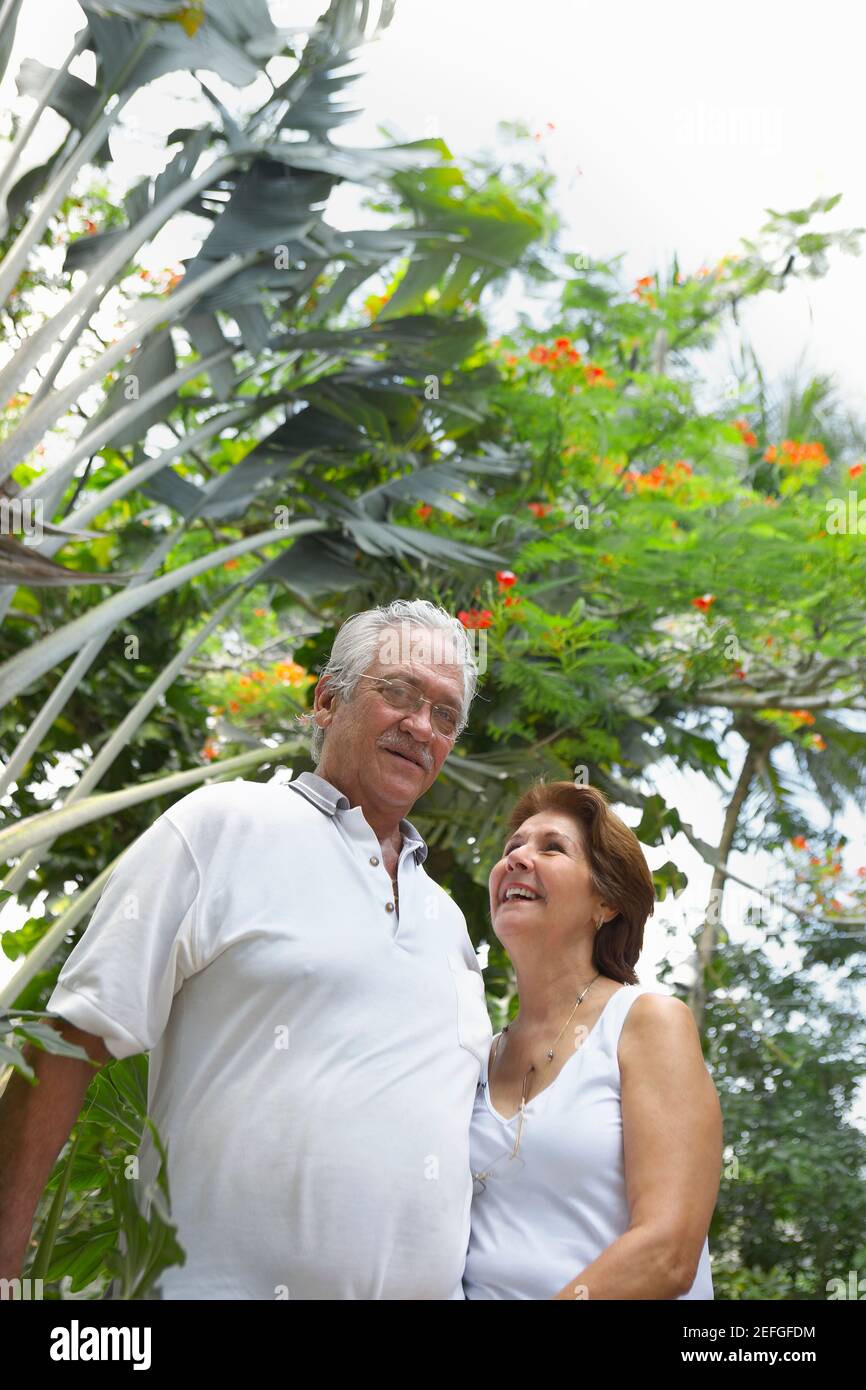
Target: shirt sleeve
(120,978)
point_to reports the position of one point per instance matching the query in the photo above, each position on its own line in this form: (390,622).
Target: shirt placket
(369,851)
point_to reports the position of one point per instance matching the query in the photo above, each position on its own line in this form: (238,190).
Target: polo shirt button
(373,860)
(389,907)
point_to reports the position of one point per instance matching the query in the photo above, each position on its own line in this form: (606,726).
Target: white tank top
(534,1231)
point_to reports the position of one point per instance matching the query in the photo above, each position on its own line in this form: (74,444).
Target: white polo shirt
(314,1053)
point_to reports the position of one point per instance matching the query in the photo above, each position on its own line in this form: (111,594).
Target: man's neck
(387,831)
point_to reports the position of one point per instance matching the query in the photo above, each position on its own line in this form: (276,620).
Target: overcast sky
(674,128)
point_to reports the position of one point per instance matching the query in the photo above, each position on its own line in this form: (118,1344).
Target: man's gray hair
(378,631)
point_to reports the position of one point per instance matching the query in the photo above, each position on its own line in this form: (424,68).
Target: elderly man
(310,998)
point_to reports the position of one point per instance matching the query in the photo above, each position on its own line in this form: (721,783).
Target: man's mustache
(414,751)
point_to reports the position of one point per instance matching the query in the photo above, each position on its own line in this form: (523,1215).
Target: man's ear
(323,701)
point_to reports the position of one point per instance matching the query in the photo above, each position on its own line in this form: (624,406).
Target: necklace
(482,1176)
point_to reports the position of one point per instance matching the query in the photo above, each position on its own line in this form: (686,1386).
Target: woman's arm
(672,1149)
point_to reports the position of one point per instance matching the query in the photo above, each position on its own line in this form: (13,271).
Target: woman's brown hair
(619,872)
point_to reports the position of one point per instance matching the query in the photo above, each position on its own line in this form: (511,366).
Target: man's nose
(421,721)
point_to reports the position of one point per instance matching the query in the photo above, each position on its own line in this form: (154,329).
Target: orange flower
(230,564)
(799,842)
(512,599)
(596,376)
(704,602)
(537,354)
(210,750)
(803,716)
(473,618)
(855,470)
(290,671)
(795,452)
(260,612)
(422,512)
(746,434)
(562,343)
(539,509)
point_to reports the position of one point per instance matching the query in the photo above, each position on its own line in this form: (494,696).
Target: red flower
(506,578)
(704,602)
(538,354)
(855,470)
(540,509)
(422,512)
(512,599)
(799,842)
(472,618)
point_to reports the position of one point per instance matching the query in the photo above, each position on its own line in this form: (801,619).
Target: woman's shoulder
(656,1022)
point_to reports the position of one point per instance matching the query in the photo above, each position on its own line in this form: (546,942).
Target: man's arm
(35,1121)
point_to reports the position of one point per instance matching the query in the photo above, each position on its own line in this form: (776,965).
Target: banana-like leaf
(152,363)
(33,830)
(73,99)
(207,337)
(316,566)
(270,206)
(31,663)
(19,564)
(39,418)
(169,48)
(122,735)
(380,538)
(7,32)
(422,341)
(352,162)
(87,251)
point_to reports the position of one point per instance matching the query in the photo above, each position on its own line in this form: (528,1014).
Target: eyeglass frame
(420,700)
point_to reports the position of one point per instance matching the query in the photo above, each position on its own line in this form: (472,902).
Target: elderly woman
(596,1137)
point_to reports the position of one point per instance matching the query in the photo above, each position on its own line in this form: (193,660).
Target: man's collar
(330,799)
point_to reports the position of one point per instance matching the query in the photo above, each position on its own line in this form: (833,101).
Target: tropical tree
(647,578)
(274,433)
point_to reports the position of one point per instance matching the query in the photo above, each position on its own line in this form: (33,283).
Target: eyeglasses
(400,695)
